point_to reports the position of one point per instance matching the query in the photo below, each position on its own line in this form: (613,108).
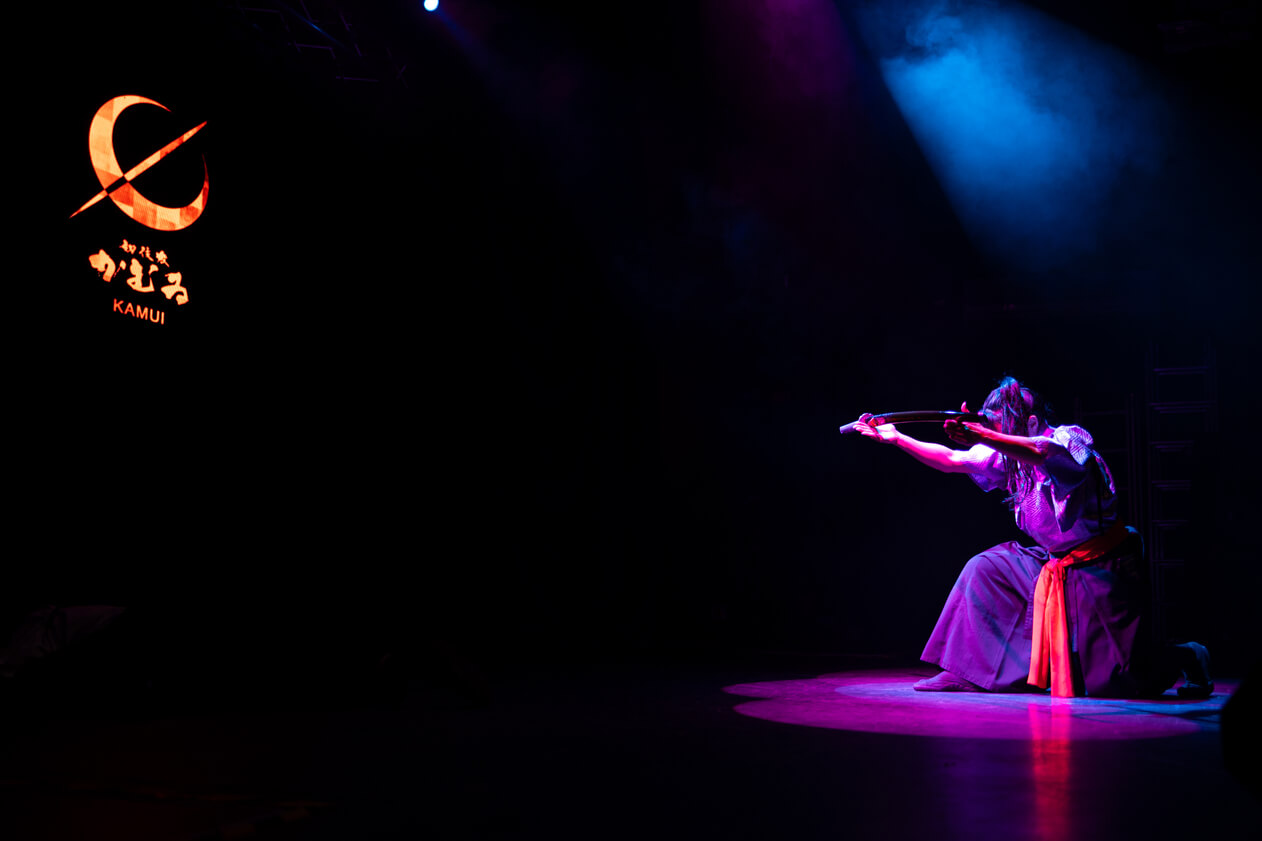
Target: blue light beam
(1040,137)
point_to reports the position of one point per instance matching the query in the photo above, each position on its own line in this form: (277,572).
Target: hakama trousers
(986,628)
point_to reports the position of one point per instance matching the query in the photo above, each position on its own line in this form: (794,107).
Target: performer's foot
(1194,658)
(944,681)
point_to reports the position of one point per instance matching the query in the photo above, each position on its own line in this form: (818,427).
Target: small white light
(431,5)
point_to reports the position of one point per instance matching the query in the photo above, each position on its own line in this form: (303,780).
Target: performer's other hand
(964,432)
(885,433)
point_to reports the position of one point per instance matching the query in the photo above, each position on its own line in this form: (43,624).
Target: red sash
(1049,652)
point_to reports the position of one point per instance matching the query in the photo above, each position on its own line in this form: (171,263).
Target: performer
(1067,613)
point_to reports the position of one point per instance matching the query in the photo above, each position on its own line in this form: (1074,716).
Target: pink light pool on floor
(883,701)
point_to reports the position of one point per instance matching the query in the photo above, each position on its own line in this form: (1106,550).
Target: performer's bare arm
(1031,450)
(935,455)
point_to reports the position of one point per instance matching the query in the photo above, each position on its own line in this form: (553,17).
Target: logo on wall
(137,266)
(144,269)
(116,184)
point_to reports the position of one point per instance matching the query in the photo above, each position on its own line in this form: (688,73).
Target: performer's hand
(964,432)
(885,433)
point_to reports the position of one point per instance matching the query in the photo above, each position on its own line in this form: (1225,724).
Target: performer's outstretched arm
(935,455)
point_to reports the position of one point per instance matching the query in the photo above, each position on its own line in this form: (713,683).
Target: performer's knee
(983,563)
(995,570)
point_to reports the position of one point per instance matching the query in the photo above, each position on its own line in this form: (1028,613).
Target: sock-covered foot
(1194,658)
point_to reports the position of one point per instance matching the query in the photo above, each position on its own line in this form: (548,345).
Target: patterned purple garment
(1068,501)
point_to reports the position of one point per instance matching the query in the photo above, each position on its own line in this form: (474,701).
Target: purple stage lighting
(882,701)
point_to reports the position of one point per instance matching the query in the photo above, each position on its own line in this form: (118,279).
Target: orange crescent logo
(116,184)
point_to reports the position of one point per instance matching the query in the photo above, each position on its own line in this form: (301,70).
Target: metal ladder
(1181,396)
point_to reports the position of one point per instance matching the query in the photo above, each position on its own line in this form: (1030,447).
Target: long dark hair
(1007,408)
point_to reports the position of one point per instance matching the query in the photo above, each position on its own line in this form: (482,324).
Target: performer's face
(992,412)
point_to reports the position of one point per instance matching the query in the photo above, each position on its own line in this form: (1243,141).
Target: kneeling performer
(1067,613)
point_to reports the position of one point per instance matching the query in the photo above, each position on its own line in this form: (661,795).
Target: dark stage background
(523,330)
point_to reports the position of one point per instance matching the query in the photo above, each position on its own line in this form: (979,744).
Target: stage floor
(758,749)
